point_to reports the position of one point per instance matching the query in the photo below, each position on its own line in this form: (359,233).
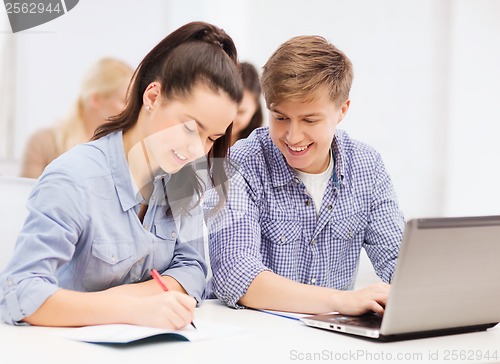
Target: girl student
(108,212)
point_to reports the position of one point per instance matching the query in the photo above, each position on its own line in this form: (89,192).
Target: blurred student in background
(102,95)
(249,115)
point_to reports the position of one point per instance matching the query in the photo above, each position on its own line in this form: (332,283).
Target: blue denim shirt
(270,223)
(83,233)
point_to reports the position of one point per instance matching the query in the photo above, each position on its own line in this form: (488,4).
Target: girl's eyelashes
(189,128)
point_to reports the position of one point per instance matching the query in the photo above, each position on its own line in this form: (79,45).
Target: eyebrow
(202,127)
(314,114)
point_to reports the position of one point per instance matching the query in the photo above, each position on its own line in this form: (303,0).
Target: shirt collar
(138,197)
(127,191)
(339,156)
(281,173)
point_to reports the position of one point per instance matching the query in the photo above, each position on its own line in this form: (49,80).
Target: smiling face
(304,132)
(182,130)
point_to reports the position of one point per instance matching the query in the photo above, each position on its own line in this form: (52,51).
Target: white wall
(473,128)
(53,57)
(424,93)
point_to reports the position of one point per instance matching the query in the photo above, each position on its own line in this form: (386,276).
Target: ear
(152,95)
(94,100)
(344,109)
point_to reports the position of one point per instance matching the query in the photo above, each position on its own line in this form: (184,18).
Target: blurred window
(7,87)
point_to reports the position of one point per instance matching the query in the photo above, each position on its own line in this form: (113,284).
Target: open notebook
(124,333)
(446,281)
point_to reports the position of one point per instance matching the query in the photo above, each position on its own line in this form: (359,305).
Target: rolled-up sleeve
(188,265)
(385,226)
(49,235)
(188,268)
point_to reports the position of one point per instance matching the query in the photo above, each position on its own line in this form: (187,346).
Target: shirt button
(296,180)
(174,234)
(351,234)
(145,227)
(313,280)
(330,207)
(282,239)
(113,259)
(313,241)
(308,202)
(10,282)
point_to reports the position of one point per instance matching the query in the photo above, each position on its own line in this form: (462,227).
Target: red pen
(157,277)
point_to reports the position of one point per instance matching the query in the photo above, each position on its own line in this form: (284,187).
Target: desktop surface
(265,338)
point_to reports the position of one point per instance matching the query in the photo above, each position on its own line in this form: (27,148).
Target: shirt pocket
(109,264)
(112,253)
(349,228)
(164,248)
(280,247)
(347,236)
(166,231)
(280,232)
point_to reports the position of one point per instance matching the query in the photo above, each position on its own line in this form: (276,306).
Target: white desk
(267,339)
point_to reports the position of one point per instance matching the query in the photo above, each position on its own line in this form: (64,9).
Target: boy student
(304,197)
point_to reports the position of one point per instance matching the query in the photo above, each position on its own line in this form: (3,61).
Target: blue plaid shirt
(269,221)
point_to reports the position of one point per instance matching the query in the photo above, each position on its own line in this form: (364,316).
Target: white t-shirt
(316,183)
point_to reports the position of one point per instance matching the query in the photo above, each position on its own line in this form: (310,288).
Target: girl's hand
(171,310)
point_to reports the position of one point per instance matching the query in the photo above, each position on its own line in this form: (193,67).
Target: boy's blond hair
(304,65)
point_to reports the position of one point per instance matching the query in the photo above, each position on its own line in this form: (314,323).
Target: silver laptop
(446,282)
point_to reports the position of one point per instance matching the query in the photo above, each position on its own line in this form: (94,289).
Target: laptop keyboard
(370,320)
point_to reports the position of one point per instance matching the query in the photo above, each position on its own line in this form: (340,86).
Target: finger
(381,299)
(187,301)
(176,321)
(183,307)
(377,308)
(172,313)
(382,287)
(178,316)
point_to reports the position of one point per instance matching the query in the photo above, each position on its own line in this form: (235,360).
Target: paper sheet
(288,315)
(124,333)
